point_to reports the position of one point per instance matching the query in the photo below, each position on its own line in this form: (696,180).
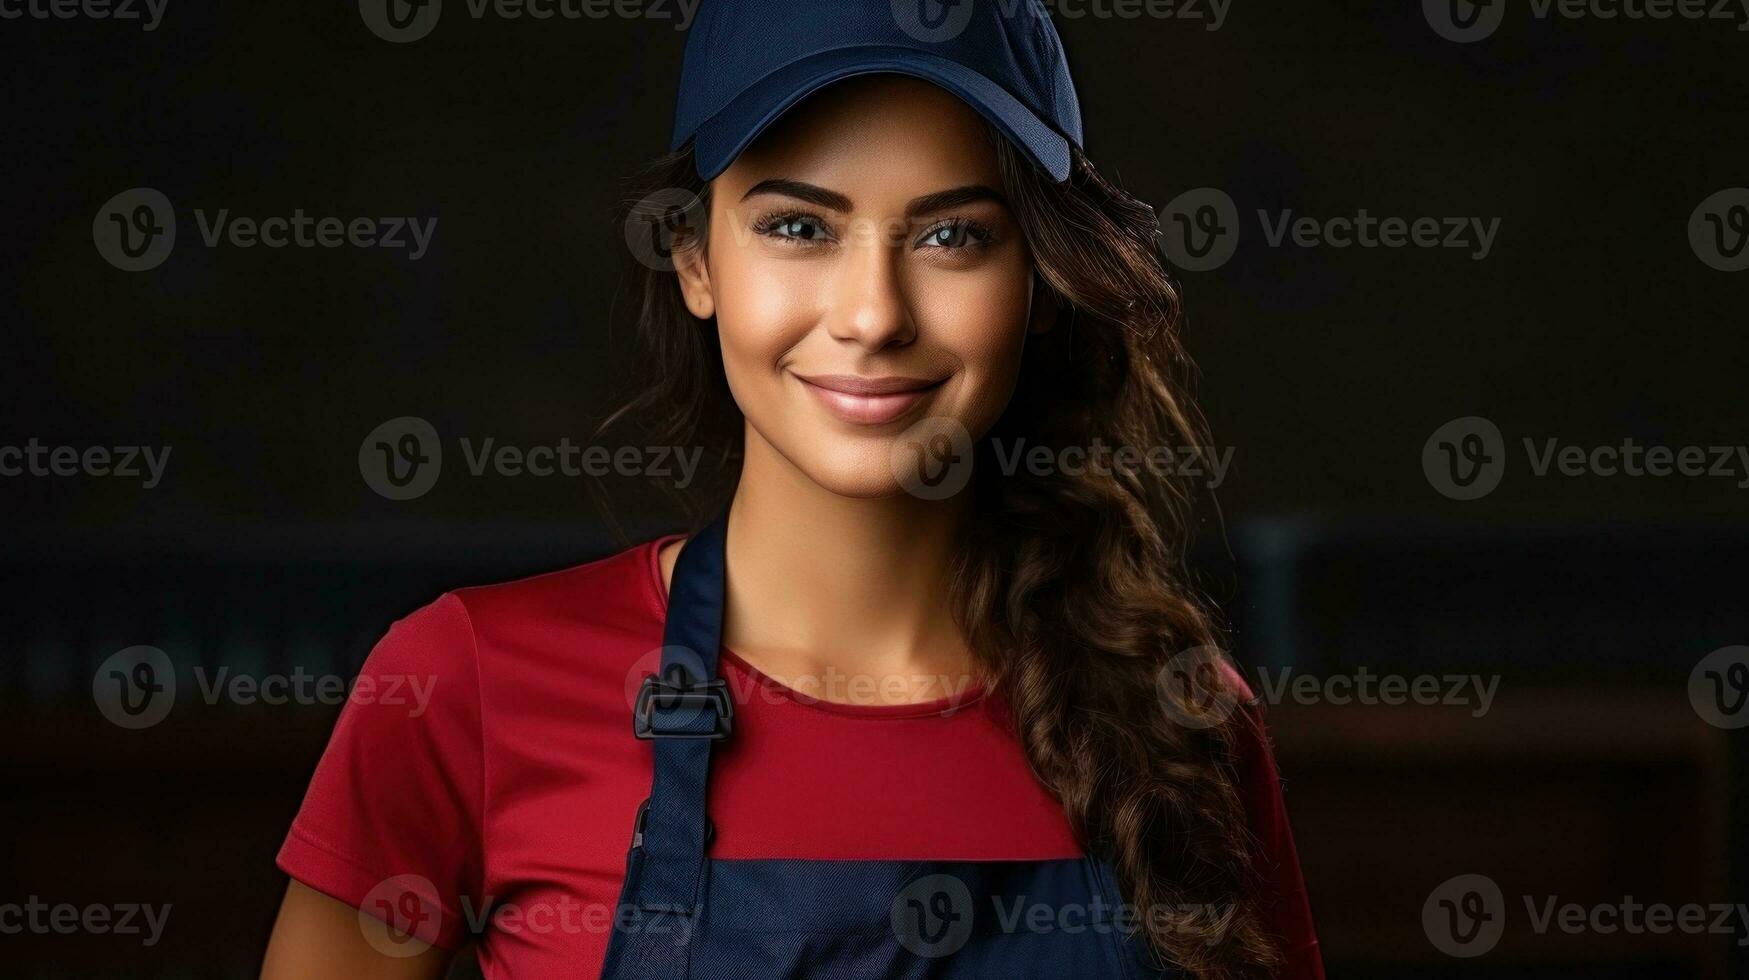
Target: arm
(318,936)
(390,827)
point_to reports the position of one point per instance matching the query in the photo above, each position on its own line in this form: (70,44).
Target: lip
(868,401)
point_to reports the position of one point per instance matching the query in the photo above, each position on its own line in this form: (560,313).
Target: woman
(917,666)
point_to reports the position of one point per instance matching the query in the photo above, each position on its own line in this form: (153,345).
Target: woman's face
(866,276)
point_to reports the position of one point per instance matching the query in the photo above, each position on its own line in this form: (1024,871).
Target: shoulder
(566,638)
(621,591)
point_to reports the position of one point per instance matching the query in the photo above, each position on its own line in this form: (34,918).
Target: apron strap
(683,710)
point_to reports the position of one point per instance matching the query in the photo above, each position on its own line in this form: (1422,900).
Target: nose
(869,305)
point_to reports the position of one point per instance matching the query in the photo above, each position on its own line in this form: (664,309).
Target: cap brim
(722,137)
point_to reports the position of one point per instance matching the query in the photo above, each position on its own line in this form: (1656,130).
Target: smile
(868,401)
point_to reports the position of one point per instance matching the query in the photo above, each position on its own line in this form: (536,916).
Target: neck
(837,591)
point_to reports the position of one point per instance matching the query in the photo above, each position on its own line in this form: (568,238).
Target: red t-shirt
(491,754)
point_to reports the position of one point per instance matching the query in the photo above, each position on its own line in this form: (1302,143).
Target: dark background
(1591,598)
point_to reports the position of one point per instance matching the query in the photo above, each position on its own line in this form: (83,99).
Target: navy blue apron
(685,916)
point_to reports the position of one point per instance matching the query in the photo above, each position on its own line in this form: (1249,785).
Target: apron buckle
(675,706)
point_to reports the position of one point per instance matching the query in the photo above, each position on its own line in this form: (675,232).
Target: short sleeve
(1285,907)
(397,796)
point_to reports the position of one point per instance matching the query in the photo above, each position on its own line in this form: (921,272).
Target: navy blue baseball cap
(748,61)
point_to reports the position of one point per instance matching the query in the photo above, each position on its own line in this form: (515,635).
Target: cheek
(980,319)
(764,309)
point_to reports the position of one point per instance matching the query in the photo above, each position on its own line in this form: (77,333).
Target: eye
(956,233)
(793,226)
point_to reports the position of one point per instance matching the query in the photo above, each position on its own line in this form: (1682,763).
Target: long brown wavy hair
(1072,588)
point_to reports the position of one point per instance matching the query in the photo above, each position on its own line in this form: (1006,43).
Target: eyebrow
(927,204)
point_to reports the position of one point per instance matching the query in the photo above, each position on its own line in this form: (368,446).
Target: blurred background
(1389,409)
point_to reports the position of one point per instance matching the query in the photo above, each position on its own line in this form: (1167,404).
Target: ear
(693,270)
(1045,307)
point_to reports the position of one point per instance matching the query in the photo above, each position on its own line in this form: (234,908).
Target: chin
(862,473)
